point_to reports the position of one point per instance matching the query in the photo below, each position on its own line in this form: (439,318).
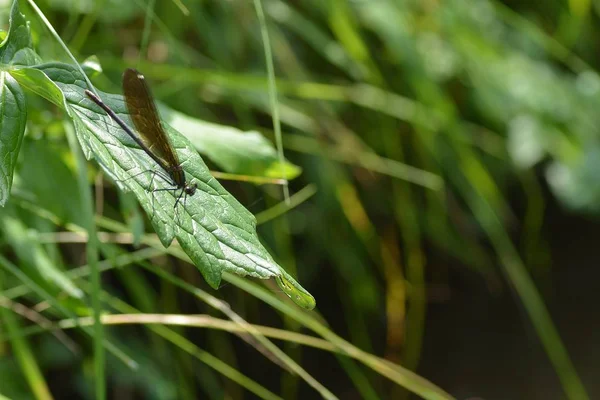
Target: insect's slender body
(151,136)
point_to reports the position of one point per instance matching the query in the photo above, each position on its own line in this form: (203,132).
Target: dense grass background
(444,217)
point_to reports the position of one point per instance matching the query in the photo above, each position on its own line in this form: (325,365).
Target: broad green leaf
(213,228)
(16,49)
(235,151)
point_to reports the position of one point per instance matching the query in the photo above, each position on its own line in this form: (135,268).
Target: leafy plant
(414,128)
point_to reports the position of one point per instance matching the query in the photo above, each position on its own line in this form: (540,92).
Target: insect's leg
(166,189)
(185,196)
(179,197)
(152,179)
(136,175)
(160,190)
(177,202)
(165,177)
(152,204)
(152,194)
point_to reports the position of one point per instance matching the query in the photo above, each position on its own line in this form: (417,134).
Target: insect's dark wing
(146,119)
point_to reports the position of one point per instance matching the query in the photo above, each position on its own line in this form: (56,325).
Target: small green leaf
(213,228)
(17,48)
(37,82)
(91,66)
(237,152)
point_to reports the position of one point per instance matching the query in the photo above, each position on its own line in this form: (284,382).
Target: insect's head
(190,189)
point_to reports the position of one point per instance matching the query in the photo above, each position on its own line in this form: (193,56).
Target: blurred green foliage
(429,130)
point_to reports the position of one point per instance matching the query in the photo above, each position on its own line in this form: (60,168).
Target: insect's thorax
(177,175)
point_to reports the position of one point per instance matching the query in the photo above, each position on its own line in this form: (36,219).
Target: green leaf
(213,228)
(37,82)
(17,48)
(91,66)
(235,151)
(13,115)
